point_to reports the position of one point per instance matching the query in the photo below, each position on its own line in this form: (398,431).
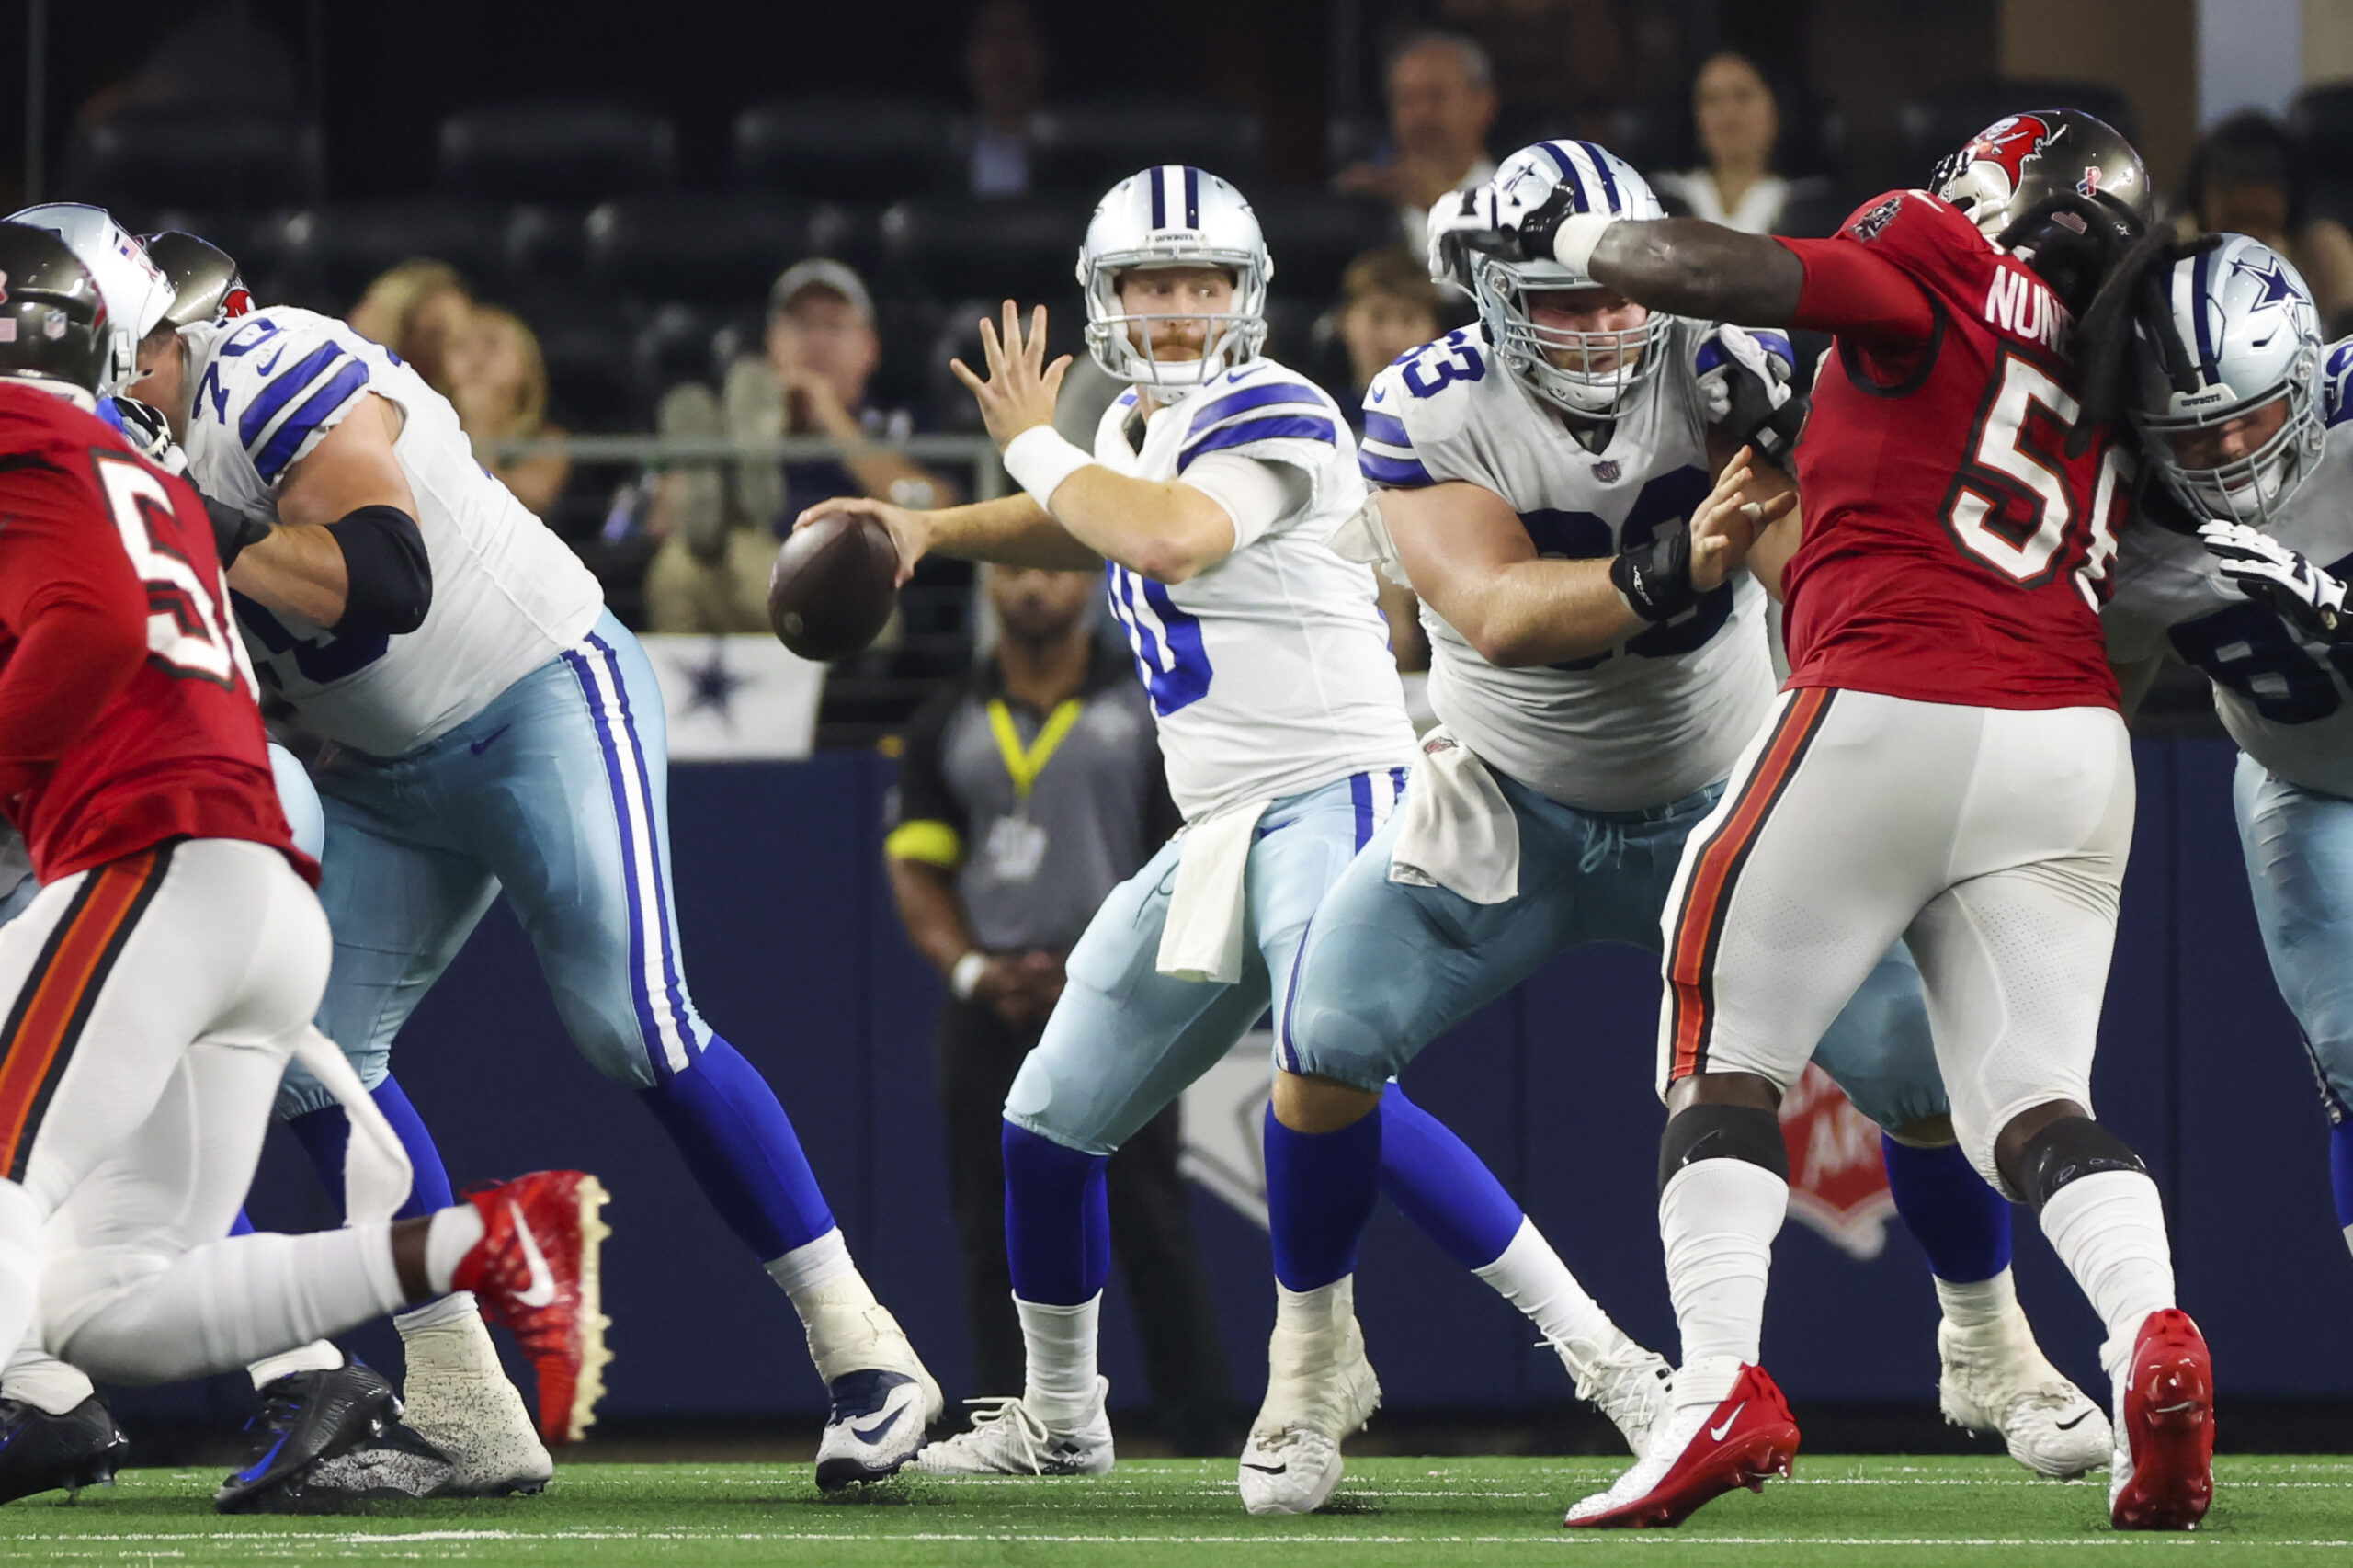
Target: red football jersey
(127,707)
(1953,551)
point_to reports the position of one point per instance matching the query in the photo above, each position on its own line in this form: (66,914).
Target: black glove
(1655,576)
(144,426)
(232,530)
(1534,229)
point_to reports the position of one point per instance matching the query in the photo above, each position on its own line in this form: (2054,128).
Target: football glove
(144,426)
(2269,573)
(1461,223)
(1656,575)
(1747,395)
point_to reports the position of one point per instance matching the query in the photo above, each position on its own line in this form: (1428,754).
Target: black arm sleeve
(391,582)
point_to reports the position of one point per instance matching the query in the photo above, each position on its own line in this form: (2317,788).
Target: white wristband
(965,978)
(1573,241)
(1040,460)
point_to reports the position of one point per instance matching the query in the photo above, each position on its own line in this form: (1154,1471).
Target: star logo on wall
(713,684)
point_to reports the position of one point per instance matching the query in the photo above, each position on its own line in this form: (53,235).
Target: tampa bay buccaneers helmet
(53,323)
(2059,188)
(206,284)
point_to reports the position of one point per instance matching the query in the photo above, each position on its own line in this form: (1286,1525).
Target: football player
(1946,765)
(2243,412)
(512,739)
(1597,667)
(169,967)
(1215,482)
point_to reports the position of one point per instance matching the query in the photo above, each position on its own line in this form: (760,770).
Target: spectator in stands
(1004,66)
(1737,122)
(1027,793)
(1388,307)
(499,384)
(416,310)
(711,572)
(1441,105)
(2247,177)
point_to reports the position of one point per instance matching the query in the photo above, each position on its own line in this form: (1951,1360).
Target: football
(833,586)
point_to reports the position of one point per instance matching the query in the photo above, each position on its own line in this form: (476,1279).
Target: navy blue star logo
(2279,287)
(713,684)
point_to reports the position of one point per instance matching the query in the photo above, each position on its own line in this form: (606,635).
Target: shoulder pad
(2336,382)
(1260,402)
(278,382)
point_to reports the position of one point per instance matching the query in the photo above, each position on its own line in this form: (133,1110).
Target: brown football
(831,587)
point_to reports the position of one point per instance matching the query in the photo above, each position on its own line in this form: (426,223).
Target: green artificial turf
(1404,1511)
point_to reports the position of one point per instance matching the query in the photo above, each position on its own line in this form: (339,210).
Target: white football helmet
(1173,215)
(136,292)
(2251,333)
(1612,367)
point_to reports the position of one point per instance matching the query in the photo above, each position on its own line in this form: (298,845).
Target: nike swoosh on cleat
(1716,1434)
(261,1466)
(483,744)
(875,1433)
(542,1287)
(2070,1426)
(1268,1469)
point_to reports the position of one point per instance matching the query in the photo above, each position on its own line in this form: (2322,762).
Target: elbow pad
(390,580)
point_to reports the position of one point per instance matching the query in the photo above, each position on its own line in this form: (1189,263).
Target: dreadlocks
(2131,303)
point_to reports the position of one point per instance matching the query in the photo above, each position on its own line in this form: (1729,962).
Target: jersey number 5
(2010,508)
(186,633)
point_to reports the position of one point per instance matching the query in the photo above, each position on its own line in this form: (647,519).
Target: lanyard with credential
(1025,763)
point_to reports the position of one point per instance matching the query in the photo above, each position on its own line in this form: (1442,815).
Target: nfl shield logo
(1607,471)
(1837,1178)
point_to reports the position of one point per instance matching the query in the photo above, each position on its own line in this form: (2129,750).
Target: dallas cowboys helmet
(1173,215)
(2248,336)
(1595,375)
(136,294)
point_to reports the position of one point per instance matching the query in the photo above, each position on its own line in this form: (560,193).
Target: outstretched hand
(1727,524)
(1021,387)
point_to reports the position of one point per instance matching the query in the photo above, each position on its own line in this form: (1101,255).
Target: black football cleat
(305,1417)
(395,1464)
(40,1452)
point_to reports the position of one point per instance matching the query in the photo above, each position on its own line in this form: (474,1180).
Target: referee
(1024,796)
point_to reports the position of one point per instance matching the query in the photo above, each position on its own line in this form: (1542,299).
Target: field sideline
(1405,1511)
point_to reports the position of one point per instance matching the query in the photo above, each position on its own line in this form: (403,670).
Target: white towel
(1458,831)
(1363,537)
(1201,939)
(376,1172)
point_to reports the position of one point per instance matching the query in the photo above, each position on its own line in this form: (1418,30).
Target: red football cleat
(535,1271)
(2167,1426)
(1700,1451)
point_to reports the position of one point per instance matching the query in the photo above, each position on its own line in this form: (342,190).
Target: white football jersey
(508,595)
(1664,712)
(1270,672)
(2286,700)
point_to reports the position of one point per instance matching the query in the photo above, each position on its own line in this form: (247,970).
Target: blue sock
(1320,1191)
(1057,1220)
(2340,1170)
(325,1134)
(741,1149)
(1441,1186)
(1962,1224)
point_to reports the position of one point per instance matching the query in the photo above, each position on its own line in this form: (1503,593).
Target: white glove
(2269,573)
(146,429)
(1458,217)
(1743,355)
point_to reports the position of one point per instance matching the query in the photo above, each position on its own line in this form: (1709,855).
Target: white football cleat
(1628,1385)
(882,1395)
(1997,1381)
(1320,1388)
(1007,1438)
(459,1397)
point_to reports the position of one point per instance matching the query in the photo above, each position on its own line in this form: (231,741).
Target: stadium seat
(1313,235)
(873,151)
(141,164)
(559,152)
(589,341)
(959,247)
(333,253)
(258,243)
(909,328)
(960,339)
(1941,122)
(676,345)
(1084,148)
(713,250)
(546,241)
(2322,122)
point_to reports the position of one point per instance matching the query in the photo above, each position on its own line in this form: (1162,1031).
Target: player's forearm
(1541,612)
(894,477)
(930,910)
(1165,531)
(299,569)
(1012,531)
(1690,268)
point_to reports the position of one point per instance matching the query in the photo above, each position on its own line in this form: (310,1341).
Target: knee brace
(2071,1148)
(1721,1133)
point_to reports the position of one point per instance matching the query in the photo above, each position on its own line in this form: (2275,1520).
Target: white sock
(319,1356)
(1718,1219)
(1532,1277)
(1061,1344)
(2109,1229)
(439,1313)
(812,1264)
(20,1263)
(1311,1311)
(450,1235)
(1979,1304)
(41,1380)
